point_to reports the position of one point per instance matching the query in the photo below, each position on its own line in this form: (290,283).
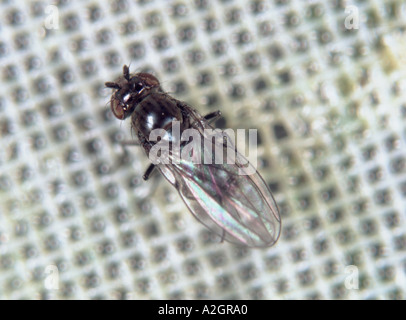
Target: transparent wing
(231,199)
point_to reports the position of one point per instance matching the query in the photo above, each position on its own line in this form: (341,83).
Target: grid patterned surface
(329,104)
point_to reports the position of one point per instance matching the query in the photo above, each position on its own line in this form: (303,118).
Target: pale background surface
(330,106)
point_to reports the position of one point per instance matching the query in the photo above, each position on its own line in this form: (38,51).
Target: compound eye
(118,109)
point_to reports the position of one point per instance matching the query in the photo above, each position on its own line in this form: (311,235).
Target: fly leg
(148,172)
(130,143)
(213,116)
(150,168)
(222,236)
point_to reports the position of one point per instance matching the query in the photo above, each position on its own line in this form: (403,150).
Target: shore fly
(230,198)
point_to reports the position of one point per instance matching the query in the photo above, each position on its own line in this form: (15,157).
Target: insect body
(229,198)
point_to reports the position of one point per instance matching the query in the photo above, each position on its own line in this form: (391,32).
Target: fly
(231,198)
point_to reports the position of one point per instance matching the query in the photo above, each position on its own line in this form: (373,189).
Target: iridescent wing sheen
(236,206)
